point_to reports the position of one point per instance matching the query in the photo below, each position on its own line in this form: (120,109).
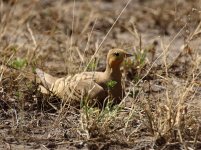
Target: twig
(181,139)
(32,36)
(196,138)
(161,55)
(108,33)
(71,39)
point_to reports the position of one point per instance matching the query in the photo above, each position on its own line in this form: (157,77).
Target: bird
(96,87)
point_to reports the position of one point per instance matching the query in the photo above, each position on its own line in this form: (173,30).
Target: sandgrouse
(94,86)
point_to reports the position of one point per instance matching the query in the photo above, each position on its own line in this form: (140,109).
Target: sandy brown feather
(91,85)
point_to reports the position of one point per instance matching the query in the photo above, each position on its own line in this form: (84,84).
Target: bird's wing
(76,91)
(78,87)
(73,88)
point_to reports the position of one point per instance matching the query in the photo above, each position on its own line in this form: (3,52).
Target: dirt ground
(163,80)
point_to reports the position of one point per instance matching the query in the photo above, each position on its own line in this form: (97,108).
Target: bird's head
(116,56)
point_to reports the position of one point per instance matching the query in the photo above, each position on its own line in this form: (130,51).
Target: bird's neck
(113,73)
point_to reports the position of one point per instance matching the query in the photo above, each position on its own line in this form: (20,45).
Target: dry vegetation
(162,109)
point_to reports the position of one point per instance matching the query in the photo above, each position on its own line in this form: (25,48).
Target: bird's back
(74,88)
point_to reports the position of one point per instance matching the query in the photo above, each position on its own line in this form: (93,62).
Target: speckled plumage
(90,85)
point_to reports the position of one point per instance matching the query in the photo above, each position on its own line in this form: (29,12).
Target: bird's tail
(45,78)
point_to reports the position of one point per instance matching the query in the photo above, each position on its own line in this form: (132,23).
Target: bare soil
(163,80)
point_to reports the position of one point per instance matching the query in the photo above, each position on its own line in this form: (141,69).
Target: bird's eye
(116,54)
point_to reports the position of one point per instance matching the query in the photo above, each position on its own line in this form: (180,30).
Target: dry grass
(163,81)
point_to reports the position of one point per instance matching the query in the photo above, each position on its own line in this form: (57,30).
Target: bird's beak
(128,55)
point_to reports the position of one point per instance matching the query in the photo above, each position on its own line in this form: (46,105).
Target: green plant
(92,66)
(111,84)
(140,57)
(19,63)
